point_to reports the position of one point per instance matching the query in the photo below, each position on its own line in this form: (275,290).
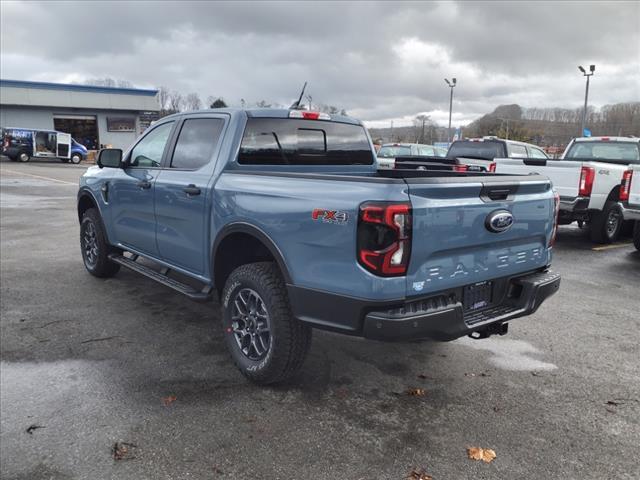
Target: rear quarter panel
(318,254)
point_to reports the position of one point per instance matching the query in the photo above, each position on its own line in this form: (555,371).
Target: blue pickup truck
(283,217)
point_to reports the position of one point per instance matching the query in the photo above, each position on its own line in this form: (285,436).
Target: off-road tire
(601,230)
(75,158)
(289,340)
(99,264)
(636,235)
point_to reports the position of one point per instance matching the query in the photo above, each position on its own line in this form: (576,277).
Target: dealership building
(94,116)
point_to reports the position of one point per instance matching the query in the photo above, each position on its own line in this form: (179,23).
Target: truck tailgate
(565,175)
(452,245)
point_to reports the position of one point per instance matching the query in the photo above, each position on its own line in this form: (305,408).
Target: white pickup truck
(630,200)
(587,178)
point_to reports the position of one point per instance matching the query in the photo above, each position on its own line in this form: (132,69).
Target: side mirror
(110,157)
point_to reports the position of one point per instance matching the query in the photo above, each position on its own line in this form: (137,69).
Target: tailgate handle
(499,194)
(535,162)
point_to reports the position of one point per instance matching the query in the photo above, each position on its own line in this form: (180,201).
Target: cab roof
(608,139)
(267,113)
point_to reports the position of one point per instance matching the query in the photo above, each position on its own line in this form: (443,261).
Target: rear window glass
(284,141)
(482,150)
(394,151)
(604,151)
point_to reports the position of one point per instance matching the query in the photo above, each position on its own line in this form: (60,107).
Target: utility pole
(592,69)
(422,137)
(451,84)
(391,141)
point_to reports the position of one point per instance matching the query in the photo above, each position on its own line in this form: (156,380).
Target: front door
(183,196)
(131,191)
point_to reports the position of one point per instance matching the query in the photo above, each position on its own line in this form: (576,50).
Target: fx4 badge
(499,221)
(330,216)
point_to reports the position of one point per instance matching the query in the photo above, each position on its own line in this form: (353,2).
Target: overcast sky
(379,61)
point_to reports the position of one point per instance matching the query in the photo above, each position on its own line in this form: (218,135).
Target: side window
(425,151)
(148,151)
(197,141)
(536,153)
(518,151)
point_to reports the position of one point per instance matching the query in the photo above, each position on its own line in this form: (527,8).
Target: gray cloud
(381,61)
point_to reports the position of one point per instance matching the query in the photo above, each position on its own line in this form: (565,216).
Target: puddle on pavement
(508,354)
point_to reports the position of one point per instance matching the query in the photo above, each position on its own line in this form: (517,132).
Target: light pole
(592,69)
(451,85)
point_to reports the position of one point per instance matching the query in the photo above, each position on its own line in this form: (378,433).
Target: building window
(121,124)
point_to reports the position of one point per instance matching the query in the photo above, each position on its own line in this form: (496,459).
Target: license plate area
(477,296)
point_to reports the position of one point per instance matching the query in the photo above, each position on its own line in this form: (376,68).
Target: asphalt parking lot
(87,363)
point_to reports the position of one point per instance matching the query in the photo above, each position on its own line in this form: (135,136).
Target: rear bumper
(629,213)
(439,317)
(577,204)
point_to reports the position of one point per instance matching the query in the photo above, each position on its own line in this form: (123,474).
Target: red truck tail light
(384,238)
(625,186)
(556,213)
(307,115)
(492,167)
(587,174)
(460,168)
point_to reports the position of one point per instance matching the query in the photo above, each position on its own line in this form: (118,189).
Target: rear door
(565,175)
(182,192)
(63,145)
(453,244)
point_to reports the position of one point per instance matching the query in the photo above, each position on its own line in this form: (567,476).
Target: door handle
(191,190)
(143,184)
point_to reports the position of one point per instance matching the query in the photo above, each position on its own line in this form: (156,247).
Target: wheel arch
(241,243)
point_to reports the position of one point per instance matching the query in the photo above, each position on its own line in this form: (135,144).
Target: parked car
(283,216)
(630,200)
(588,180)
(389,151)
(480,152)
(23,144)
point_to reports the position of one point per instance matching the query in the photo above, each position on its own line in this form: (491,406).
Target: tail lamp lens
(625,187)
(587,174)
(492,167)
(384,238)
(460,168)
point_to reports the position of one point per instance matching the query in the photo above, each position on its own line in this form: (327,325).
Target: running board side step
(163,277)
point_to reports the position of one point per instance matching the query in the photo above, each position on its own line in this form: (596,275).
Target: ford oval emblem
(499,221)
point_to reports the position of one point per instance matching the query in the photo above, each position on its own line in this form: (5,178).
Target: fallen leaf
(615,403)
(485,454)
(416,392)
(496,409)
(32,428)
(535,374)
(422,376)
(123,451)
(169,400)
(421,474)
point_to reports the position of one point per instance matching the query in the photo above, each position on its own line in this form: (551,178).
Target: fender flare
(242,227)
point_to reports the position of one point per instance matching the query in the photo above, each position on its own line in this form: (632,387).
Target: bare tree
(218,103)
(192,102)
(163,99)
(263,104)
(176,102)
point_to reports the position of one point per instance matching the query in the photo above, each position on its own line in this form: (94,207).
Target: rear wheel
(95,249)
(76,158)
(636,235)
(266,342)
(23,157)
(606,224)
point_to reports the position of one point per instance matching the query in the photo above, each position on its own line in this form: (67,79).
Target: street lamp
(451,85)
(592,69)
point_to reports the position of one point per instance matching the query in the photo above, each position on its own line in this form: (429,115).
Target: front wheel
(95,249)
(606,224)
(266,342)
(76,159)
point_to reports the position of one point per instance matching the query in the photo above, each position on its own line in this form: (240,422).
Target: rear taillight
(460,168)
(384,238)
(625,186)
(587,174)
(556,213)
(492,167)
(307,115)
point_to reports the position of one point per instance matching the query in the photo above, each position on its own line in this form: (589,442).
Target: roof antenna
(296,105)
